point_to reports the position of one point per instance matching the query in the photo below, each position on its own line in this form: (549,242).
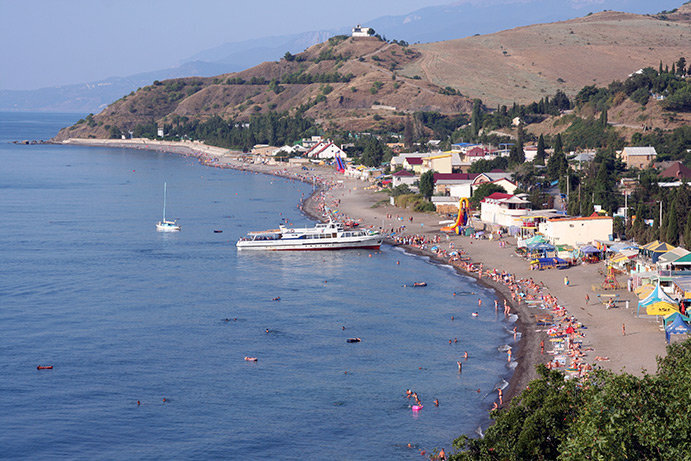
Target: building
(504,209)
(577,231)
(456,185)
(441,163)
(360,31)
(413,163)
(326,150)
(403,177)
(638,157)
(676,170)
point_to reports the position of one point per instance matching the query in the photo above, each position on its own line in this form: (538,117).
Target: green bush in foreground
(610,417)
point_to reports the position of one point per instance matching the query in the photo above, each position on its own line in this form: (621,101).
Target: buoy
(49,367)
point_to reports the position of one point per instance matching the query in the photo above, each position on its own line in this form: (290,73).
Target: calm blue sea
(124,313)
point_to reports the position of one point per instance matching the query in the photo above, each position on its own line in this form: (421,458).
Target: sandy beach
(634,352)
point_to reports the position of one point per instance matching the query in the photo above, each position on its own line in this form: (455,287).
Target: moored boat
(323,236)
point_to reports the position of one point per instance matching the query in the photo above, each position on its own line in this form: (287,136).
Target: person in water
(436,402)
(460,366)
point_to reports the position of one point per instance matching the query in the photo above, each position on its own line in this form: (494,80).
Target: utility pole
(660,212)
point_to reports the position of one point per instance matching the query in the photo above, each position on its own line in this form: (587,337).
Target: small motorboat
(420,284)
(353,340)
(218,231)
(251,359)
(44,367)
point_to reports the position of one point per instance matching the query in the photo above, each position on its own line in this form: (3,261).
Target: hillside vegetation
(343,83)
(524,64)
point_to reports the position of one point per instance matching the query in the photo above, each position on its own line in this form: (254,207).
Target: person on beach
(623,329)
(587,299)
(542,347)
(508,353)
(501,396)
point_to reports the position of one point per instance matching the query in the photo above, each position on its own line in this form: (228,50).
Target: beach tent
(661,308)
(671,317)
(659,250)
(658,302)
(589,250)
(619,246)
(644,290)
(677,327)
(535,240)
(683,263)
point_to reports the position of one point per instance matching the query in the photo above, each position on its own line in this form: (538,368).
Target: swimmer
(465,355)
(436,402)
(343,327)
(455,340)
(460,366)
(475,314)
(408,393)
(277,298)
(452,318)
(479,302)
(138,403)
(449,341)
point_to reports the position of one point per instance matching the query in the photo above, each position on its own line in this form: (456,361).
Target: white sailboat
(165,225)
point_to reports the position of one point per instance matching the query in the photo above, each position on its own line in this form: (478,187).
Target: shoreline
(356,202)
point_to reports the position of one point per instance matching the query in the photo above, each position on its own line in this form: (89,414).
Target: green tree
(476,117)
(673,224)
(541,154)
(483,191)
(557,163)
(603,118)
(426,184)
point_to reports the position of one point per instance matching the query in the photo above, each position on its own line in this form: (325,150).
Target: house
(677,170)
(490,176)
(360,31)
(638,157)
(441,163)
(504,209)
(326,150)
(263,150)
(454,184)
(530,152)
(577,231)
(445,205)
(413,163)
(403,177)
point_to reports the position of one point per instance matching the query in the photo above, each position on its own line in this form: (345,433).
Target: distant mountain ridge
(437,23)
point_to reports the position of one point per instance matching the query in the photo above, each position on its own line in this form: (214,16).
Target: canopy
(661,308)
(671,317)
(683,261)
(677,327)
(535,239)
(589,249)
(644,290)
(541,247)
(656,295)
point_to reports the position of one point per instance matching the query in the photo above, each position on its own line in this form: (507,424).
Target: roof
(580,218)
(639,151)
(414,160)
(402,173)
(454,176)
(498,196)
(677,170)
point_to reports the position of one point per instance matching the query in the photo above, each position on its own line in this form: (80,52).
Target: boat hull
(371,243)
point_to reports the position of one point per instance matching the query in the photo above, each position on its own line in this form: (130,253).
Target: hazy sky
(57,42)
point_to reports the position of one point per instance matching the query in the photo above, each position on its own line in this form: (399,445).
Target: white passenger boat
(325,236)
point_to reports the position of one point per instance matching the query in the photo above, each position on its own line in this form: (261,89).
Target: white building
(504,209)
(360,31)
(577,231)
(326,150)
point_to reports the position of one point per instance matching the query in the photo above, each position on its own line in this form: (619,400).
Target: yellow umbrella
(644,290)
(661,308)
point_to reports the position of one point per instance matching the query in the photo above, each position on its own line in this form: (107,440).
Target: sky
(59,42)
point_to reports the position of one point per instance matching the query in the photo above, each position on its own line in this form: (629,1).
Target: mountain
(527,63)
(347,83)
(445,22)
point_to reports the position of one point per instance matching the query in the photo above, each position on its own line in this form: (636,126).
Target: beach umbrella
(661,308)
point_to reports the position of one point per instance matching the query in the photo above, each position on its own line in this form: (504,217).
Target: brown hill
(344,82)
(524,64)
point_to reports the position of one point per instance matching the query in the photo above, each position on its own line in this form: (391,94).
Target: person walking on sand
(508,355)
(566,281)
(542,347)
(623,329)
(587,299)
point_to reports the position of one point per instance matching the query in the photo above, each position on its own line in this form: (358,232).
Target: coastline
(636,353)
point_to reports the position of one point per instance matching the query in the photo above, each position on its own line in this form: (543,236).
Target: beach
(612,339)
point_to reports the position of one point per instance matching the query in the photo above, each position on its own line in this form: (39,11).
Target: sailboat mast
(164,201)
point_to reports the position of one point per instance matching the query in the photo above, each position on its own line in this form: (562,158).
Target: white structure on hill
(360,31)
(504,209)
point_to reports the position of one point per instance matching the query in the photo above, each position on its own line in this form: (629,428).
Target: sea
(147,332)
